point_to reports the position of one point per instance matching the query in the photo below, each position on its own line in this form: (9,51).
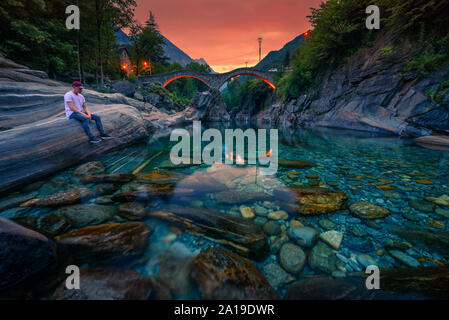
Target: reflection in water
(399,220)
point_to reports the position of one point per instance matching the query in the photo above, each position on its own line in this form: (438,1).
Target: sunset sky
(225,32)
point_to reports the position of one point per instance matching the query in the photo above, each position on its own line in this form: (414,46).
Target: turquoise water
(354,162)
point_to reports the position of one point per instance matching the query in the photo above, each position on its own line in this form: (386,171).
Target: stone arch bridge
(212,80)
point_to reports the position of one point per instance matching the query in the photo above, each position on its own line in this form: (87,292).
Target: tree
(116,12)
(146,46)
(286,60)
(151,22)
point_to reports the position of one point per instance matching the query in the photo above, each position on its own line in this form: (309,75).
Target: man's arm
(72,107)
(87,110)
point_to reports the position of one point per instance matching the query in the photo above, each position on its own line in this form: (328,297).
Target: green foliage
(133,78)
(34,34)
(432,51)
(339,33)
(185,88)
(173,96)
(147,54)
(387,51)
(250,94)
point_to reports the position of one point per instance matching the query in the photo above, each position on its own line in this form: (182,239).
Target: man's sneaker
(94,140)
(106,136)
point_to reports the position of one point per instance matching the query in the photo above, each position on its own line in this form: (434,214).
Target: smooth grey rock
(404,258)
(276,276)
(322,258)
(304,236)
(292,258)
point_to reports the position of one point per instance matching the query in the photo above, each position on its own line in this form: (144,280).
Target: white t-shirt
(77,99)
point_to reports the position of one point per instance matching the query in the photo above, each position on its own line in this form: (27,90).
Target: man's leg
(97,120)
(84,123)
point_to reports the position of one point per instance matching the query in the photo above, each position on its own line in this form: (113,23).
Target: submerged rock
(109,243)
(111,178)
(332,238)
(292,258)
(89,169)
(272,228)
(366,210)
(429,240)
(322,258)
(304,236)
(309,200)
(321,288)
(404,258)
(238,233)
(82,215)
(173,269)
(422,205)
(132,211)
(23,253)
(428,281)
(224,275)
(296,164)
(442,200)
(160,177)
(15,201)
(276,276)
(247,212)
(234,197)
(149,193)
(112,284)
(63,198)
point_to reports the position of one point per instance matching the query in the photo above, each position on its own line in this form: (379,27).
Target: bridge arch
(271,84)
(185,76)
(212,80)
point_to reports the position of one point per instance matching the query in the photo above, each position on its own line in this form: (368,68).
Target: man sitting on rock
(76,108)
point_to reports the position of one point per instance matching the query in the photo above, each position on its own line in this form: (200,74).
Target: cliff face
(372,92)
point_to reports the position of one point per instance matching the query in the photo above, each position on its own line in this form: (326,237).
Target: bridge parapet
(212,80)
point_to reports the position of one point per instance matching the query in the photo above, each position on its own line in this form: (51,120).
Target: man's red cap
(77,84)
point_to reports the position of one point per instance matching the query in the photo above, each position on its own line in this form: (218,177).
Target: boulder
(235,197)
(332,238)
(108,178)
(321,288)
(276,276)
(89,169)
(210,106)
(295,164)
(224,275)
(124,87)
(41,130)
(63,198)
(235,232)
(428,239)
(304,236)
(82,215)
(308,200)
(23,253)
(322,258)
(111,284)
(292,258)
(367,210)
(132,211)
(108,243)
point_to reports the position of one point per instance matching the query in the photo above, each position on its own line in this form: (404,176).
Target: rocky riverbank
(36,139)
(373,92)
